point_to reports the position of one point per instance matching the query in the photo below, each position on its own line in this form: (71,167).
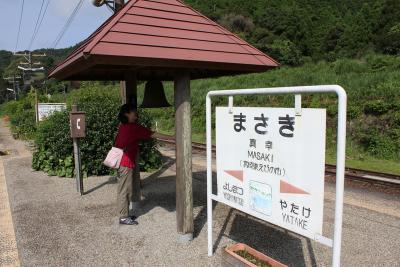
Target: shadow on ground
(269,240)
(159,191)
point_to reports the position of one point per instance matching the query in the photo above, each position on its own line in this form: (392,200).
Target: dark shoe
(128,221)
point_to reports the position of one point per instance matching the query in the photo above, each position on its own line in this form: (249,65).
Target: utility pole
(15,95)
(14,80)
(29,65)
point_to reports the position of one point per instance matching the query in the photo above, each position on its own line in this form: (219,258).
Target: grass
(373,139)
(369,164)
(372,85)
(352,159)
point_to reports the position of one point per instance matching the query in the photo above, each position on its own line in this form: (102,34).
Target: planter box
(231,259)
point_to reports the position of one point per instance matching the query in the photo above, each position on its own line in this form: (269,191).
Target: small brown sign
(78,124)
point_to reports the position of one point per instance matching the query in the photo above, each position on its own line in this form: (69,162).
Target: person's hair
(125,108)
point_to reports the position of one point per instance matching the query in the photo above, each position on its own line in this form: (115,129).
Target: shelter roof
(156,38)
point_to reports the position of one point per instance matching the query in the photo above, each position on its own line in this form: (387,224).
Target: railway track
(368,177)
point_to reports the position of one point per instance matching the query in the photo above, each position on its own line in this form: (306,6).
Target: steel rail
(374,177)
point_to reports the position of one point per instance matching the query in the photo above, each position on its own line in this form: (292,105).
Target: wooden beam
(183,135)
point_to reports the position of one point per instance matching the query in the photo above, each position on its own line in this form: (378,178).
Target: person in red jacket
(130,133)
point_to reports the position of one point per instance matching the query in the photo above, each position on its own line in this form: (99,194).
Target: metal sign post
(78,130)
(261,204)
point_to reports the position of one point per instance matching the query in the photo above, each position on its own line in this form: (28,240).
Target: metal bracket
(297,105)
(340,156)
(230,104)
(111,5)
(323,240)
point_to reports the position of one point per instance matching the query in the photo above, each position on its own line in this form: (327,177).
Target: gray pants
(128,190)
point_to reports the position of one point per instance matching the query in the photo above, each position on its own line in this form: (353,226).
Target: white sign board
(270,164)
(45,109)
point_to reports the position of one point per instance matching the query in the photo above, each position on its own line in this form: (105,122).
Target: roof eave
(118,66)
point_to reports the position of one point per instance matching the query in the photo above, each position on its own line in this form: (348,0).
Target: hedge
(53,145)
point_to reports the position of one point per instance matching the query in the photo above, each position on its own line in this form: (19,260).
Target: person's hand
(162,136)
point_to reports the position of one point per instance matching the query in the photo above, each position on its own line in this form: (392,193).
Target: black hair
(125,108)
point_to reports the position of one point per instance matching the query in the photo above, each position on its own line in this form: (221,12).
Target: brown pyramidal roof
(156,38)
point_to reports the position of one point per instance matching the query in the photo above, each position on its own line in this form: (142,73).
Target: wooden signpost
(78,130)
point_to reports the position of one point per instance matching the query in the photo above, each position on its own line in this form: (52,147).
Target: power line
(68,23)
(39,22)
(44,13)
(19,27)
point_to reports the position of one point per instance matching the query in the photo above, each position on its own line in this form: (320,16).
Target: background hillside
(355,44)
(295,31)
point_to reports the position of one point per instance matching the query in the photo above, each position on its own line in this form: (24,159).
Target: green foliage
(22,116)
(378,107)
(292,32)
(5,58)
(317,29)
(54,151)
(372,84)
(237,23)
(286,51)
(380,144)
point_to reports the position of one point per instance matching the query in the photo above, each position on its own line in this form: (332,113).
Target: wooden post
(129,89)
(36,105)
(129,95)
(118,4)
(183,135)
(77,159)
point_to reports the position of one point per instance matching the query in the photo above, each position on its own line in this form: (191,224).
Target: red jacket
(128,138)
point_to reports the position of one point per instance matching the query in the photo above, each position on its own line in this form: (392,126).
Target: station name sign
(44,110)
(271,164)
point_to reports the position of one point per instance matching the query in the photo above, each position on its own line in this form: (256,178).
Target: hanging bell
(154,95)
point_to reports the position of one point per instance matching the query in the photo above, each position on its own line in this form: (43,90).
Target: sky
(86,21)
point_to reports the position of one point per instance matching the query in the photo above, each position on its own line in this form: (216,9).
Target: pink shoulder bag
(114,157)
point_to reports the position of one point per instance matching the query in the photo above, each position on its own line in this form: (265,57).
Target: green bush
(285,52)
(377,107)
(54,151)
(24,123)
(381,145)
(21,114)
(353,112)
(372,85)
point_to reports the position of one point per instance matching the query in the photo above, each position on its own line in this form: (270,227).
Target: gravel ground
(56,227)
